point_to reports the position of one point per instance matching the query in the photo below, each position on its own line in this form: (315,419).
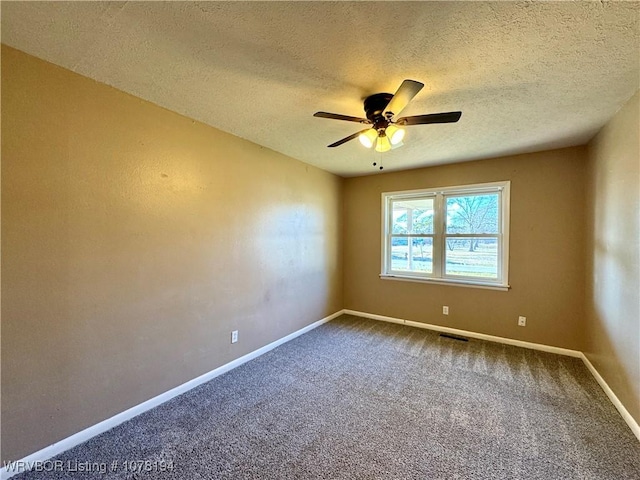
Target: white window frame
(439,235)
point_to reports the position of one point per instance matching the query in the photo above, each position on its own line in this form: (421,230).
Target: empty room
(320,240)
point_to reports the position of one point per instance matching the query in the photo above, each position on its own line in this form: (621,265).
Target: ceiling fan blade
(448,117)
(408,89)
(346,139)
(336,116)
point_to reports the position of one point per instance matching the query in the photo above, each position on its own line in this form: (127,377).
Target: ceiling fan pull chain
(379,159)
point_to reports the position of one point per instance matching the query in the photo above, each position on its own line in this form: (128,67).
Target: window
(456,235)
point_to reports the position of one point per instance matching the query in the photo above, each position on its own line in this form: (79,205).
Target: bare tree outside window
(470,218)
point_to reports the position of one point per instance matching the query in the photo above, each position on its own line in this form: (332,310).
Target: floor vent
(454,337)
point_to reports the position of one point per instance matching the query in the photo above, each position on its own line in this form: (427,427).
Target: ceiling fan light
(368,138)
(383,144)
(395,134)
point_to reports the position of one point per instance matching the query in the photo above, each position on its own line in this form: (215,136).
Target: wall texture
(133,241)
(546,251)
(613,255)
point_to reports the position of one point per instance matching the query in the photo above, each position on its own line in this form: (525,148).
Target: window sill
(441,281)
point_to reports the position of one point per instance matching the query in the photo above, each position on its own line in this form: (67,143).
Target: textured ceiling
(527,76)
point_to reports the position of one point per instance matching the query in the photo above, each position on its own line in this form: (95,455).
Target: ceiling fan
(381,110)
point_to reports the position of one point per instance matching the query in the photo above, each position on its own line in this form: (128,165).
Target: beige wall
(133,241)
(613,255)
(546,251)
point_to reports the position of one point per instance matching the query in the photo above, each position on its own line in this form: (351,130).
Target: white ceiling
(527,76)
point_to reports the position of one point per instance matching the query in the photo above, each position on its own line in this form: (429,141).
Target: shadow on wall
(614,328)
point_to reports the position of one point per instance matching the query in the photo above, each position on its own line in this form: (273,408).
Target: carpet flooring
(361,399)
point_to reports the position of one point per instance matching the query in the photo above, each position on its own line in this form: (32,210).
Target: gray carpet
(360,399)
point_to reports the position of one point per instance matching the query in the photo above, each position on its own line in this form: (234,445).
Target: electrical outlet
(234,336)
(445,310)
(522,321)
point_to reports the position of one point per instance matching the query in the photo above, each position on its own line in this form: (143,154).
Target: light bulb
(395,134)
(368,138)
(383,144)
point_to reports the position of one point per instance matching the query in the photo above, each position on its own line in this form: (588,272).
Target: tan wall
(613,255)
(133,241)
(546,251)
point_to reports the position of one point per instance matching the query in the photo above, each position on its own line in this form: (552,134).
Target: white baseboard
(373,316)
(466,333)
(37,458)
(633,425)
(63,445)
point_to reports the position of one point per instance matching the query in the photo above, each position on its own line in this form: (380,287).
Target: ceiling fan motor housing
(381,110)
(374,106)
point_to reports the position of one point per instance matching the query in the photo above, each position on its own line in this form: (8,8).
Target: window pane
(472,257)
(413,216)
(412,254)
(472,214)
